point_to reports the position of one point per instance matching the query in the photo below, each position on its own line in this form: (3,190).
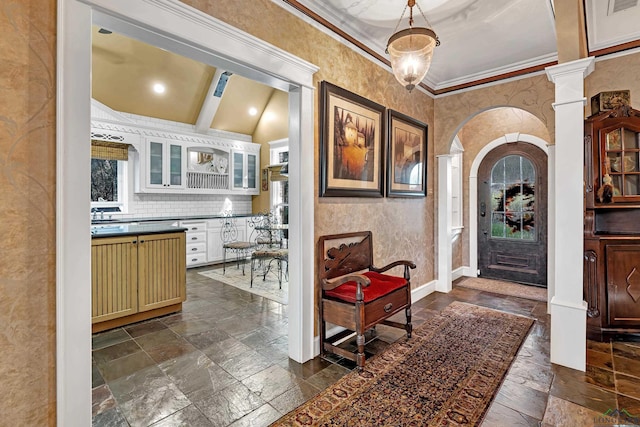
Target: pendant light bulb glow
(410,51)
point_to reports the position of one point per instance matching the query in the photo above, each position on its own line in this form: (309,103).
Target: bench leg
(408,326)
(360,355)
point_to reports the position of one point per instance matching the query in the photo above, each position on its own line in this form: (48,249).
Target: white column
(444,224)
(568,309)
(551,225)
(301,249)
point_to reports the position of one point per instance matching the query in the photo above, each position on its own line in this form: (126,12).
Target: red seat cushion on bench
(381,284)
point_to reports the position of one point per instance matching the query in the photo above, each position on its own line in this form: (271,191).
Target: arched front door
(512,214)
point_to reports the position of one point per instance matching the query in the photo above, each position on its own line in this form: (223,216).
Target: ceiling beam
(211,102)
(571,30)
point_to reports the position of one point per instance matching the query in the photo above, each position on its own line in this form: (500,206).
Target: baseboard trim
(458,273)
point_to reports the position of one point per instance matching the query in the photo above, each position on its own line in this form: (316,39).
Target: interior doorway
(187,31)
(512,214)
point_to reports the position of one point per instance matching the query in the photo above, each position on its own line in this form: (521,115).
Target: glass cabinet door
(165,165)
(175,166)
(621,161)
(156,160)
(252,178)
(238,170)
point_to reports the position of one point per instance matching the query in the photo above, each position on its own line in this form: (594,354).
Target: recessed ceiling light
(159,88)
(253,111)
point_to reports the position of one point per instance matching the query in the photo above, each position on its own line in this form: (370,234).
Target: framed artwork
(351,144)
(407,159)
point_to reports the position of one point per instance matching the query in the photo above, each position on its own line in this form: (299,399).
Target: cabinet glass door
(155,163)
(621,162)
(238,167)
(252,179)
(175,167)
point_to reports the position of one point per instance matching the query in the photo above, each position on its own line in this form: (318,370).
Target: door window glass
(513,199)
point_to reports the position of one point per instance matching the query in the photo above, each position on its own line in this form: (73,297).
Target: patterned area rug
(267,288)
(504,288)
(445,375)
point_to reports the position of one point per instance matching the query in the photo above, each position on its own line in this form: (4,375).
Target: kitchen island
(138,271)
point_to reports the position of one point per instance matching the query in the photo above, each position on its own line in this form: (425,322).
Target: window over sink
(108,176)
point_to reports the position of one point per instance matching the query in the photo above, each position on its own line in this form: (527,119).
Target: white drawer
(194,226)
(196,248)
(196,237)
(196,259)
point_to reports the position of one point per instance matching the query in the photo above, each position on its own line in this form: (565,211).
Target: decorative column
(444,224)
(568,309)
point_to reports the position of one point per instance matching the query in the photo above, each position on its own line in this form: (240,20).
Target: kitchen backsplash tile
(175,205)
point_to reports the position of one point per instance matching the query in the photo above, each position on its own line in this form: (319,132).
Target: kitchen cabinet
(165,165)
(612,223)
(196,237)
(136,277)
(245,166)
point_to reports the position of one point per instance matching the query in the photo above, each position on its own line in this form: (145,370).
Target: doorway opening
(184,30)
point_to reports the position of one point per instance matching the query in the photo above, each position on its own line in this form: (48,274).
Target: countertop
(163,219)
(117,230)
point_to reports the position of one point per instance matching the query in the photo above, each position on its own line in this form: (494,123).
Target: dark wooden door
(512,214)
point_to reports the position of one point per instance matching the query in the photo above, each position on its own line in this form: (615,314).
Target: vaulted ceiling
(481,41)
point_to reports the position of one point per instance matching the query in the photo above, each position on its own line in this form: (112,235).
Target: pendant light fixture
(411,50)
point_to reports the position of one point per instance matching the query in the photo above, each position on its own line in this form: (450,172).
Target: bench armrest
(360,279)
(407,266)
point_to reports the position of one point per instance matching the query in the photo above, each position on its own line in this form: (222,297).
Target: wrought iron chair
(230,242)
(268,248)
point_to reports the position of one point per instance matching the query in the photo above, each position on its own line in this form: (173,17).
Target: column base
(569,334)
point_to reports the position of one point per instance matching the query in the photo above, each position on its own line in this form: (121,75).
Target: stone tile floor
(223,361)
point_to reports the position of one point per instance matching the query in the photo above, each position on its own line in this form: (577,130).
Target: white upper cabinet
(246,166)
(165,164)
(171,157)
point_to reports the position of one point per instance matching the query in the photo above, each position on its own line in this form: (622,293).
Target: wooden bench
(356,295)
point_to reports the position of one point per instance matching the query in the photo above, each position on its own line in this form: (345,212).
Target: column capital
(583,66)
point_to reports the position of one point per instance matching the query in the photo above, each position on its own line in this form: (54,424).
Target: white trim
(473,189)
(171,25)
(73,261)
(445,207)
(458,273)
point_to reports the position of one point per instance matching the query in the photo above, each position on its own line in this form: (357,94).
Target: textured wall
(403,228)
(27,200)
(534,94)
(273,125)
(613,74)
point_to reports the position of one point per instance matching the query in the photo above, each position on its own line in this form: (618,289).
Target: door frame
(530,152)
(473,201)
(180,28)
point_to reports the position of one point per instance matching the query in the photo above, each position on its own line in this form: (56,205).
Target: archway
(533,132)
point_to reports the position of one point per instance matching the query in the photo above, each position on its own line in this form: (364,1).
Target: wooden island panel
(136,277)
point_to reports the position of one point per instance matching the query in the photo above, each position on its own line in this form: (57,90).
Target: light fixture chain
(428,23)
(423,15)
(400,20)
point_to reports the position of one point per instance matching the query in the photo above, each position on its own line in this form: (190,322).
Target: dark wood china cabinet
(612,223)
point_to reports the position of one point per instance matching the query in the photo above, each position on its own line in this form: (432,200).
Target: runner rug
(445,375)
(504,288)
